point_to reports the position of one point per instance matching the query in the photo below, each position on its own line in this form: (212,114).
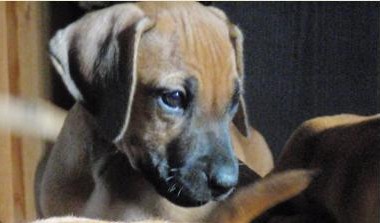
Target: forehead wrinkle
(217,74)
(186,38)
(210,48)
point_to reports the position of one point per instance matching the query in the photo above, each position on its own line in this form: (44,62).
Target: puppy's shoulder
(305,142)
(313,127)
(322,123)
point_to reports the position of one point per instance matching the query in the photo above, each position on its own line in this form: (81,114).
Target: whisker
(180,190)
(169,178)
(172,188)
(173,169)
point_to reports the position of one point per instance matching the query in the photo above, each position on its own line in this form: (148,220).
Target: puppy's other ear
(96,58)
(241,119)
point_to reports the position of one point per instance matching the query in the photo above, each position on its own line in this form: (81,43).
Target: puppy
(346,150)
(158,87)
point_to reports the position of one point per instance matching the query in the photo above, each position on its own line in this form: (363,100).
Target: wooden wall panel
(6,190)
(24,72)
(34,73)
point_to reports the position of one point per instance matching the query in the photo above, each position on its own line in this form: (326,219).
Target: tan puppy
(346,150)
(157,85)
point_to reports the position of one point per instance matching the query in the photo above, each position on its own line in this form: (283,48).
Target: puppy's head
(164,83)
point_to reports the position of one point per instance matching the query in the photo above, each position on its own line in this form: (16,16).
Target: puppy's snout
(223,179)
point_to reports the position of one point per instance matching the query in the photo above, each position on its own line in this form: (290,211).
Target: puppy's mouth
(187,190)
(179,193)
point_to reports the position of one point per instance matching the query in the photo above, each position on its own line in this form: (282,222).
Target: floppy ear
(96,58)
(241,117)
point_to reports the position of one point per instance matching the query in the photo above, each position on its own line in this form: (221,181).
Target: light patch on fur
(325,122)
(59,46)
(173,81)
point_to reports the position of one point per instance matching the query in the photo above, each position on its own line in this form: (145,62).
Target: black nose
(223,179)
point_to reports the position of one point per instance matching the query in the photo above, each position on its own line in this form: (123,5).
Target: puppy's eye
(173,99)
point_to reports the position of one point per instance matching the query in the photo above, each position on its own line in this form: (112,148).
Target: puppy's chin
(169,184)
(181,197)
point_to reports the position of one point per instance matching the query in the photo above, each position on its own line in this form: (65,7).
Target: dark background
(302,59)
(307,59)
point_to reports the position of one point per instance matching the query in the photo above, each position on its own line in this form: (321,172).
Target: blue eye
(173,99)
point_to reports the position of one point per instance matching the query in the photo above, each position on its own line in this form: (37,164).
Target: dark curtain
(307,59)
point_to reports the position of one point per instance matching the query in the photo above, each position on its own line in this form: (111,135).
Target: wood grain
(6,185)
(33,74)
(24,72)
